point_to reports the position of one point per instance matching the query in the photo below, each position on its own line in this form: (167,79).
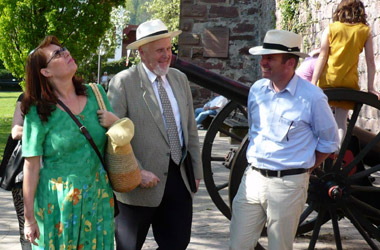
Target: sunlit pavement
(210,228)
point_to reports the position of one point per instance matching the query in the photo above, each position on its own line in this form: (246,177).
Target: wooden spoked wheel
(216,164)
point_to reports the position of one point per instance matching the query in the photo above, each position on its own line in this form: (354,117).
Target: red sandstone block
(242,38)
(210,65)
(243,27)
(189,10)
(189,39)
(221,11)
(212,1)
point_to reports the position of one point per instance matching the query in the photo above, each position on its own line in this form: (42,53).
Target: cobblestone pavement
(210,228)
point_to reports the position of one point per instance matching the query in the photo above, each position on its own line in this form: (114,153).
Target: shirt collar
(152,76)
(291,87)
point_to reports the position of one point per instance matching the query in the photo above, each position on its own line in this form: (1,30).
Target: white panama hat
(280,42)
(150,31)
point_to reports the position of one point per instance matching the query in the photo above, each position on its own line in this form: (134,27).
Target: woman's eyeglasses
(57,54)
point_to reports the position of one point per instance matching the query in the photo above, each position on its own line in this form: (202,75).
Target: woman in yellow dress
(337,66)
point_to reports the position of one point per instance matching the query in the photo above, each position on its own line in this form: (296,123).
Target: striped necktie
(175,145)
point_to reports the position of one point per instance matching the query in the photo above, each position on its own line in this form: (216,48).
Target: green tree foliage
(78,24)
(109,42)
(138,13)
(166,10)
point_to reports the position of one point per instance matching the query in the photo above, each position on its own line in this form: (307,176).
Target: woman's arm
(371,67)
(31,178)
(323,56)
(18,122)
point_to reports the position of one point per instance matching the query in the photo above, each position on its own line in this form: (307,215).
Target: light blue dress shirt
(286,127)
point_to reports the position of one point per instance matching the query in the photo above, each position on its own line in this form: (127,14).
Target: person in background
(291,132)
(68,200)
(104,81)
(212,107)
(306,69)
(17,194)
(158,100)
(337,66)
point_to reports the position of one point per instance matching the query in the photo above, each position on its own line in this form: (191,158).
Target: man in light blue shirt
(291,132)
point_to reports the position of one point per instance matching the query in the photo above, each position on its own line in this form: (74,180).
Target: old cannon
(347,187)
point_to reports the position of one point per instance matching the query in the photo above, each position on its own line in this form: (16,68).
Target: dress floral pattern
(74,203)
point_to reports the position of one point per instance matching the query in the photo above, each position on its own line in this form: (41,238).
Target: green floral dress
(74,204)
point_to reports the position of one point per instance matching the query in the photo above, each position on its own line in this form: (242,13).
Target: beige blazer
(131,95)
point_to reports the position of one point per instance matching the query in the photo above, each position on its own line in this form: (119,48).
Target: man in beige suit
(158,100)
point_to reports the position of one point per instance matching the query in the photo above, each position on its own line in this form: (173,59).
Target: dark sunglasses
(57,54)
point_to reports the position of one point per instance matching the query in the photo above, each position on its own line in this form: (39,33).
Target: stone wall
(318,13)
(244,24)
(241,24)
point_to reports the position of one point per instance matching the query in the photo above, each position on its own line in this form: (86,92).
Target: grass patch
(7,106)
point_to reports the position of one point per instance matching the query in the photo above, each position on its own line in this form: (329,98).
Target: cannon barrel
(227,87)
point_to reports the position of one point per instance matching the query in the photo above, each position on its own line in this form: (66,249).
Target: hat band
(280,47)
(154,34)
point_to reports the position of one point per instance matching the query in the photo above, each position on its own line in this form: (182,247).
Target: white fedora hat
(280,42)
(150,31)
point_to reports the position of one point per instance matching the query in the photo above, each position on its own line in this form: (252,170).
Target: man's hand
(148,179)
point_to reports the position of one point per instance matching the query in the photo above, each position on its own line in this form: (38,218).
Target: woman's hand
(31,231)
(106,118)
(377,94)
(31,178)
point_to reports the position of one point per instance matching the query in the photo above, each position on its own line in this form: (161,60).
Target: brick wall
(245,22)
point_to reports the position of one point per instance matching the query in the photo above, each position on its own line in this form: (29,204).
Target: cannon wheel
(338,189)
(212,162)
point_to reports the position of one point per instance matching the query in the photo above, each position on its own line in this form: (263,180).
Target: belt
(280,173)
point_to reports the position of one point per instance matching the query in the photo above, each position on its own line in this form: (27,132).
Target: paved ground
(210,227)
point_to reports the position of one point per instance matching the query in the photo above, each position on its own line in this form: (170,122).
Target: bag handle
(83,129)
(98,96)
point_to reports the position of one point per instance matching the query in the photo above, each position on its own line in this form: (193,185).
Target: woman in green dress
(67,195)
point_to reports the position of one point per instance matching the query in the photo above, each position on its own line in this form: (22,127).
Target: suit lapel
(151,101)
(179,96)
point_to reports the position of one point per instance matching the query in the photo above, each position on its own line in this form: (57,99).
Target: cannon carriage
(346,187)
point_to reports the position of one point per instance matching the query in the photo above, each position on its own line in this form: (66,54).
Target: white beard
(161,71)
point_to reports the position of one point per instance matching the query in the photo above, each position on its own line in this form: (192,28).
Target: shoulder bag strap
(98,96)
(83,129)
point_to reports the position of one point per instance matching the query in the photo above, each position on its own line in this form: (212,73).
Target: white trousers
(278,202)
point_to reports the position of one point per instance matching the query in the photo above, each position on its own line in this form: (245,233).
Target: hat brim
(259,50)
(137,44)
